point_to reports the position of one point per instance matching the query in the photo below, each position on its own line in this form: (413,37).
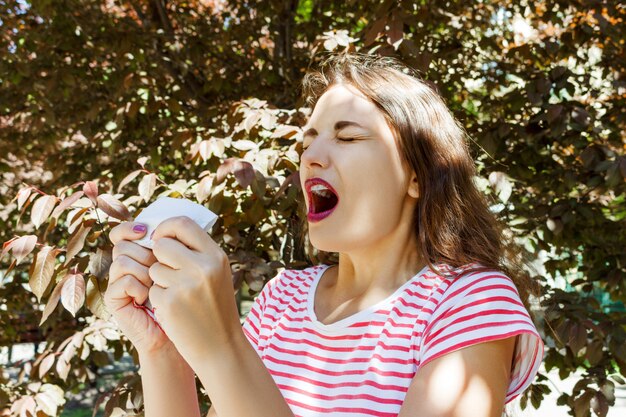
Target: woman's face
(348,143)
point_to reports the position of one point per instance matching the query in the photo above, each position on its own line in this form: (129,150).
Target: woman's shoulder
(466,280)
(472,272)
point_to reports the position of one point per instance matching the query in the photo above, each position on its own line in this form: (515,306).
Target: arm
(222,374)
(470,382)
(169,386)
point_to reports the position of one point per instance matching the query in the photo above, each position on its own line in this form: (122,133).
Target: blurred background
(107,105)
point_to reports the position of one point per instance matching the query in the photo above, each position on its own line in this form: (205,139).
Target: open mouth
(322,199)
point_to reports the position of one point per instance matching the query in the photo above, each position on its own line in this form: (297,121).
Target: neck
(383,267)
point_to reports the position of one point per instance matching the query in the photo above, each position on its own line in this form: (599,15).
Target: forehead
(344,102)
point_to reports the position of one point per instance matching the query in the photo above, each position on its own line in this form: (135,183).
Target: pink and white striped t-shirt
(362,365)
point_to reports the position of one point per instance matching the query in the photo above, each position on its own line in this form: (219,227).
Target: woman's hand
(193,295)
(129,283)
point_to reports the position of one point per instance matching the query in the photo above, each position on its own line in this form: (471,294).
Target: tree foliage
(106,105)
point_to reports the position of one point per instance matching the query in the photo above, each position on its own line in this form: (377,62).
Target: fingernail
(139,228)
(152,234)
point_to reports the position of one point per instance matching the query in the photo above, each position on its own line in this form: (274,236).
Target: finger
(134,251)
(162,275)
(157,298)
(185,230)
(124,265)
(124,291)
(127,231)
(172,253)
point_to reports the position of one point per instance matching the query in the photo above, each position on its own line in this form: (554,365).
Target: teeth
(321,190)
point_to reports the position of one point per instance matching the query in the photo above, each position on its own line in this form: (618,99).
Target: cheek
(382,178)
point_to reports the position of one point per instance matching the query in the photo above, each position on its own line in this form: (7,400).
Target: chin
(325,243)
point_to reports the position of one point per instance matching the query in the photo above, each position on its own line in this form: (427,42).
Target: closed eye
(304,148)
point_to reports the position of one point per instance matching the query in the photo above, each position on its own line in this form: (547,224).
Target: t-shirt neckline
(356,317)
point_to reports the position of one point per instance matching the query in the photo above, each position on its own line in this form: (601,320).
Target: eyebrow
(338,126)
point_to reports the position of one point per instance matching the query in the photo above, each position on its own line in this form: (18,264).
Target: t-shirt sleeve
(483,307)
(253,322)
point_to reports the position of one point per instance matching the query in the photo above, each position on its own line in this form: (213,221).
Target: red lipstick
(314,214)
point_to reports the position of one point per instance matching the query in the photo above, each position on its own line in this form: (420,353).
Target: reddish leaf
(41,209)
(91,190)
(577,337)
(22,246)
(99,262)
(65,203)
(53,300)
(394,33)
(75,218)
(243,170)
(293,178)
(95,299)
(375,29)
(6,246)
(127,179)
(8,271)
(42,270)
(113,207)
(22,196)
(77,240)
(599,404)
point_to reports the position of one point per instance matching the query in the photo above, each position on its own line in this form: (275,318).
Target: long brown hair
(452,221)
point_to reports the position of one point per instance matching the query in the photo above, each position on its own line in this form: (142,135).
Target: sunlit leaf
(77,240)
(45,365)
(24,406)
(147,186)
(66,203)
(204,188)
(22,196)
(95,299)
(42,270)
(73,293)
(53,301)
(22,247)
(41,209)
(127,179)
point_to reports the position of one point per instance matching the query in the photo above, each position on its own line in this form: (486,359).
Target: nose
(315,155)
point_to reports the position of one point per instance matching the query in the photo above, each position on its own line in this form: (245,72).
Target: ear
(414,187)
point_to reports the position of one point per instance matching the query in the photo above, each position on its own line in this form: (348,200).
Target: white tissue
(167,207)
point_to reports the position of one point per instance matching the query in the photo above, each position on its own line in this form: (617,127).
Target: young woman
(422,315)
